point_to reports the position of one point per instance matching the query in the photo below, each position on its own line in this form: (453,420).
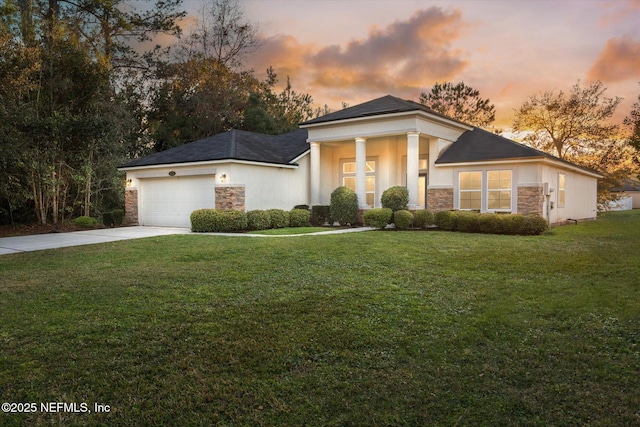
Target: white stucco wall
(581,193)
(580,189)
(269,187)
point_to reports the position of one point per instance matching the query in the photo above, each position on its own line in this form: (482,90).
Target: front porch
(370,165)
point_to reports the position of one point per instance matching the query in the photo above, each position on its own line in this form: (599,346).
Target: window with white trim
(470,184)
(349,179)
(561,190)
(499,190)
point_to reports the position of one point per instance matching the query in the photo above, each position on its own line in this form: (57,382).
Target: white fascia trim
(556,163)
(210,162)
(488,162)
(300,156)
(433,117)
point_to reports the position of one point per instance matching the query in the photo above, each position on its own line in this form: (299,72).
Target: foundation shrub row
(216,221)
(463,221)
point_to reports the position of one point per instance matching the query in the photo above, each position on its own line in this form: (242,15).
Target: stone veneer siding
(530,200)
(440,199)
(131,206)
(230,197)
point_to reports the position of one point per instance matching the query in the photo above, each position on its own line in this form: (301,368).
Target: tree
(460,102)
(566,123)
(276,113)
(222,33)
(632,123)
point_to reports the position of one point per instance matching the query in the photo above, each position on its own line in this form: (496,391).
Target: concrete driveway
(11,245)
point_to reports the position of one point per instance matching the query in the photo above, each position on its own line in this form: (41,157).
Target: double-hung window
(485,190)
(471,190)
(349,179)
(499,190)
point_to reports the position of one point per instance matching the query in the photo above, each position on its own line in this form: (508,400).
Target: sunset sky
(356,50)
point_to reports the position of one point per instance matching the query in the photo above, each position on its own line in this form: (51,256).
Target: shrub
(85,221)
(231,221)
(320,214)
(512,223)
(258,220)
(107,219)
(490,223)
(299,218)
(344,206)
(378,217)
(395,198)
(445,220)
(279,218)
(534,225)
(423,218)
(402,219)
(468,222)
(304,207)
(118,217)
(205,220)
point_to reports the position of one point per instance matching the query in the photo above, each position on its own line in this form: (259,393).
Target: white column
(413,164)
(314,167)
(361,172)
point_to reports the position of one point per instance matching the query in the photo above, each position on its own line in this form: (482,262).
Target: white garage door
(169,201)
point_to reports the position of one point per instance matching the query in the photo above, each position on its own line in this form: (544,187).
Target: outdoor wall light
(129,182)
(223,177)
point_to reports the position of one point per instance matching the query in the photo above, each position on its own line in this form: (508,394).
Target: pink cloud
(404,56)
(619,61)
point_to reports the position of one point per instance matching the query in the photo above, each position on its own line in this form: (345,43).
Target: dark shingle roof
(479,145)
(629,184)
(385,105)
(233,145)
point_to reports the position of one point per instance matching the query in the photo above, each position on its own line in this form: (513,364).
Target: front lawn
(375,328)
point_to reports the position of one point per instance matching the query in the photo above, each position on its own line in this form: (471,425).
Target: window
(349,179)
(499,190)
(561,191)
(470,190)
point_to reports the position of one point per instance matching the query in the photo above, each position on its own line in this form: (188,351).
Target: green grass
(376,328)
(291,230)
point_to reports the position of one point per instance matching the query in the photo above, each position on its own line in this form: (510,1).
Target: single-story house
(628,196)
(444,163)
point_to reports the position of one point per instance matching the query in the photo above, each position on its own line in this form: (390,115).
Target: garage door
(168,202)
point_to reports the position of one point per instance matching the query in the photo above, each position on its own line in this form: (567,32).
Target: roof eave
(290,165)
(434,117)
(543,159)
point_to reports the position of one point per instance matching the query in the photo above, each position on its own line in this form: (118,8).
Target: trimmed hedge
(320,214)
(403,219)
(205,220)
(395,198)
(377,217)
(299,218)
(214,221)
(232,221)
(344,206)
(491,223)
(423,218)
(85,221)
(258,220)
(468,222)
(279,218)
(445,220)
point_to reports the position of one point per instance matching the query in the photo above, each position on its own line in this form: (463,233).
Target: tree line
(77,100)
